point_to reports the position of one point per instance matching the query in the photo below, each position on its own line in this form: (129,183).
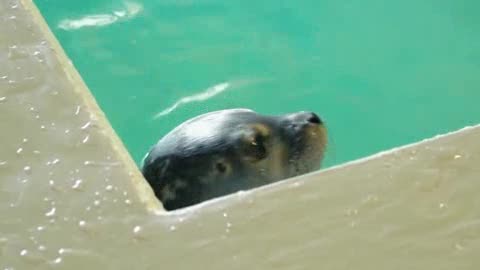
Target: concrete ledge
(42,90)
(71,197)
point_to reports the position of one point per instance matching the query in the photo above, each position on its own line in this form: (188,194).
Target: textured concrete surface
(71,198)
(47,112)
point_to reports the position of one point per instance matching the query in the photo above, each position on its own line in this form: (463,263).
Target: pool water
(379,75)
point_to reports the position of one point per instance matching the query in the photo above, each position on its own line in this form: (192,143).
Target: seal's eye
(221,167)
(256,147)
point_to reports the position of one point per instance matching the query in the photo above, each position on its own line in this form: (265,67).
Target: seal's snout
(306,118)
(313,118)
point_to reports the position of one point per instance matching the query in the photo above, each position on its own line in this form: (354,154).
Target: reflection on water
(208,93)
(130,10)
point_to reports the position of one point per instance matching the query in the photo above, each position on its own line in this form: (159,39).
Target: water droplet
(137,229)
(3,163)
(51,212)
(2,99)
(27,169)
(82,223)
(67,131)
(14,52)
(442,205)
(128,202)
(40,228)
(457,156)
(85,140)
(459,246)
(96,202)
(297,184)
(109,188)
(370,199)
(19,150)
(86,125)
(229,225)
(42,248)
(77,184)
(172,228)
(57,260)
(24,252)
(77,110)
(42,127)
(102,163)
(225,214)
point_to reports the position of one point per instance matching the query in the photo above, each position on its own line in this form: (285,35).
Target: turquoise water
(380,75)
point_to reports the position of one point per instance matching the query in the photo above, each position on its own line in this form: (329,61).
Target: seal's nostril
(314,119)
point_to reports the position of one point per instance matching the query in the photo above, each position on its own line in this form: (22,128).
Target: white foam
(129,11)
(204,95)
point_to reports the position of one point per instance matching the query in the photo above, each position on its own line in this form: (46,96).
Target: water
(380,75)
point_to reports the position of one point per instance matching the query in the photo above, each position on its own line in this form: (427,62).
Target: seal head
(222,152)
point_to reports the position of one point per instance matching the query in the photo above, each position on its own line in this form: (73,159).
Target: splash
(129,11)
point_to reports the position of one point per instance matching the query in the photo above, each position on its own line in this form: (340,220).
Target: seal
(222,152)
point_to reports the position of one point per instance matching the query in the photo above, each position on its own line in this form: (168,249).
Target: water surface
(381,75)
